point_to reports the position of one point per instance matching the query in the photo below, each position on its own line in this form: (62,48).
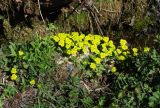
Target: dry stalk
(41,12)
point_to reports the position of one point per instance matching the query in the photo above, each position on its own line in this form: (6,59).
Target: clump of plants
(111,74)
(24,65)
(137,84)
(95,53)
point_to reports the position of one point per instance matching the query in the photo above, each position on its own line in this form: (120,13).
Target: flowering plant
(94,50)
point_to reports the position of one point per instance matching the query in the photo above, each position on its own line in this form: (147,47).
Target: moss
(142,23)
(21,33)
(79,19)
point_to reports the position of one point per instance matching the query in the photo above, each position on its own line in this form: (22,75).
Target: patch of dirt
(22,100)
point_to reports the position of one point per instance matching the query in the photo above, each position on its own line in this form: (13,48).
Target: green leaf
(12,49)
(151,104)
(25,65)
(156,95)
(152,99)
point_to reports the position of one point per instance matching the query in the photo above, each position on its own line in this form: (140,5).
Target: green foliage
(52,27)
(138,78)
(31,60)
(39,56)
(68,94)
(154,100)
(8,92)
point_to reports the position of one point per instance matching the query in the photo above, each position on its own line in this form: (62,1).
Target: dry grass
(141,6)
(110,11)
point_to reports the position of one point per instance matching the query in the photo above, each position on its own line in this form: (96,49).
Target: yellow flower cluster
(146,49)
(122,50)
(99,46)
(76,43)
(135,51)
(13,72)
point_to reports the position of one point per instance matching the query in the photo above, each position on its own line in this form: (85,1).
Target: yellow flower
(112,48)
(94,49)
(103,55)
(124,47)
(56,38)
(32,82)
(97,51)
(84,62)
(68,46)
(75,33)
(76,38)
(20,53)
(135,50)
(39,86)
(61,43)
(113,69)
(123,42)
(13,77)
(104,45)
(98,60)
(80,44)
(96,41)
(111,44)
(106,39)
(86,43)
(92,65)
(62,36)
(109,53)
(121,57)
(124,53)
(146,49)
(128,52)
(104,49)
(87,38)
(118,51)
(115,53)
(135,54)
(85,50)
(81,37)
(68,41)
(13,70)
(74,51)
(98,37)
(68,52)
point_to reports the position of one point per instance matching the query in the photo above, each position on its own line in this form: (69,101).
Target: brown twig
(111,11)
(41,12)
(90,21)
